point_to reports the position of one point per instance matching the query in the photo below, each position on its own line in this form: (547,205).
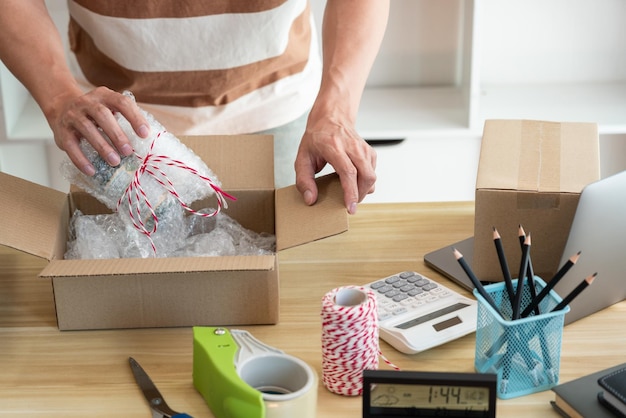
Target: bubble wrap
(150,218)
(107,236)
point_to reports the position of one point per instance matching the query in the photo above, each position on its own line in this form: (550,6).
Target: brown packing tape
(551,154)
(527,201)
(540,156)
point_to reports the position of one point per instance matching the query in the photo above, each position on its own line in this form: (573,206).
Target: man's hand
(354,160)
(86,116)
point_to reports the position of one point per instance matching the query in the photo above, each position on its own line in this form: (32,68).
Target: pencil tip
(496,234)
(527,240)
(457,253)
(521,230)
(591,278)
(575,257)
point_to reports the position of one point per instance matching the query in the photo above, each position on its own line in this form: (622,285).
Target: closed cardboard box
(530,173)
(167,292)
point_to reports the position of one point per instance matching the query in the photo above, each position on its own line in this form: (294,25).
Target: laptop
(443,261)
(598,231)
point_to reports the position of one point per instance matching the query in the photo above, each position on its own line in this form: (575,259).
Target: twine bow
(135,194)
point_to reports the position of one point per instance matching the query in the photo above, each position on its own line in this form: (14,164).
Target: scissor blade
(149,389)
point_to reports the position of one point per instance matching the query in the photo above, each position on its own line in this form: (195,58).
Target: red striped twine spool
(349,338)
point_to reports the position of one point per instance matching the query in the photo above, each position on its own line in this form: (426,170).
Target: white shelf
(397,113)
(602,103)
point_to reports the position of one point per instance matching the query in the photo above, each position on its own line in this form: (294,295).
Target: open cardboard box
(168,292)
(530,173)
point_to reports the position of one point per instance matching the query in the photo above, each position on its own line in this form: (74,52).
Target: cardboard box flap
(244,162)
(134,266)
(297,223)
(538,156)
(32,216)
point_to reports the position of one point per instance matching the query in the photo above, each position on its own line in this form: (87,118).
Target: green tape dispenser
(240,377)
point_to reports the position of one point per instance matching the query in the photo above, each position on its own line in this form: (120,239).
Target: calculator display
(432,315)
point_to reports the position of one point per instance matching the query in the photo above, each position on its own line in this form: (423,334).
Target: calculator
(416,313)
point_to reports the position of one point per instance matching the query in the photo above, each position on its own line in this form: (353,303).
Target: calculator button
(421,282)
(391,307)
(384,315)
(418,303)
(392,293)
(392,279)
(386,288)
(429,286)
(378,284)
(399,284)
(416,291)
(382,304)
(400,297)
(406,274)
(407,288)
(399,311)
(444,294)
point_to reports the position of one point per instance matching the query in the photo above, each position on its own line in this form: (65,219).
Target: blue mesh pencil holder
(525,353)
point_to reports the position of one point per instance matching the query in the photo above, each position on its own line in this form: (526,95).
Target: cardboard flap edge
(298,223)
(31,216)
(146,266)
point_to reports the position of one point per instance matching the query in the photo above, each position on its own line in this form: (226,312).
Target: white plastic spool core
(350,297)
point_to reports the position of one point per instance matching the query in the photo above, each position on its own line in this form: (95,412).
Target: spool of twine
(349,338)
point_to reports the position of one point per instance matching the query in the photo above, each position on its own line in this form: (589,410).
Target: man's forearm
(31,48)
(352,33)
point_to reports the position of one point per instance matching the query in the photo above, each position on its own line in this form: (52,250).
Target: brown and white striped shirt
(219,66)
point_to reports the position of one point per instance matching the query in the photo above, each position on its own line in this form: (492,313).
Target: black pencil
(506,273)
(477,284)
(550,285)
(523,267)
(577,290)
(531,271)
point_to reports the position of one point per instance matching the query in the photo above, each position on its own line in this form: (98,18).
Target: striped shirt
(201,67)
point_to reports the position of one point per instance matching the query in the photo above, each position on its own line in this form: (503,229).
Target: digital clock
(389,393)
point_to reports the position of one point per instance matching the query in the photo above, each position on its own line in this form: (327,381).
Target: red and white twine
(136,195)
(349,338)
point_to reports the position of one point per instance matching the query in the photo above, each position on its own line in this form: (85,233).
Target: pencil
(477,284)
(545,353)
(550,285)
(504,265)
(523,267)
(577,290)
(531,272)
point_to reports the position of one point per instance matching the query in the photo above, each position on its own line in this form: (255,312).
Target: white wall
(516,42)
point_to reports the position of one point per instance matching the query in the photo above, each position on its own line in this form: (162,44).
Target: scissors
(152,394)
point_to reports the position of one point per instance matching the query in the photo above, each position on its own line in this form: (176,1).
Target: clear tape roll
(349,338)
(241,377)
(288,385)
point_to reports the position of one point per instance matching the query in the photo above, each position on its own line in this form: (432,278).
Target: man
(220,67)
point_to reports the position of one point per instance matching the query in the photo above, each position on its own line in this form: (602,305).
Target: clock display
(391,395)
(428,394)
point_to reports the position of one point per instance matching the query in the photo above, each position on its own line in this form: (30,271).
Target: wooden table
(48,373)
